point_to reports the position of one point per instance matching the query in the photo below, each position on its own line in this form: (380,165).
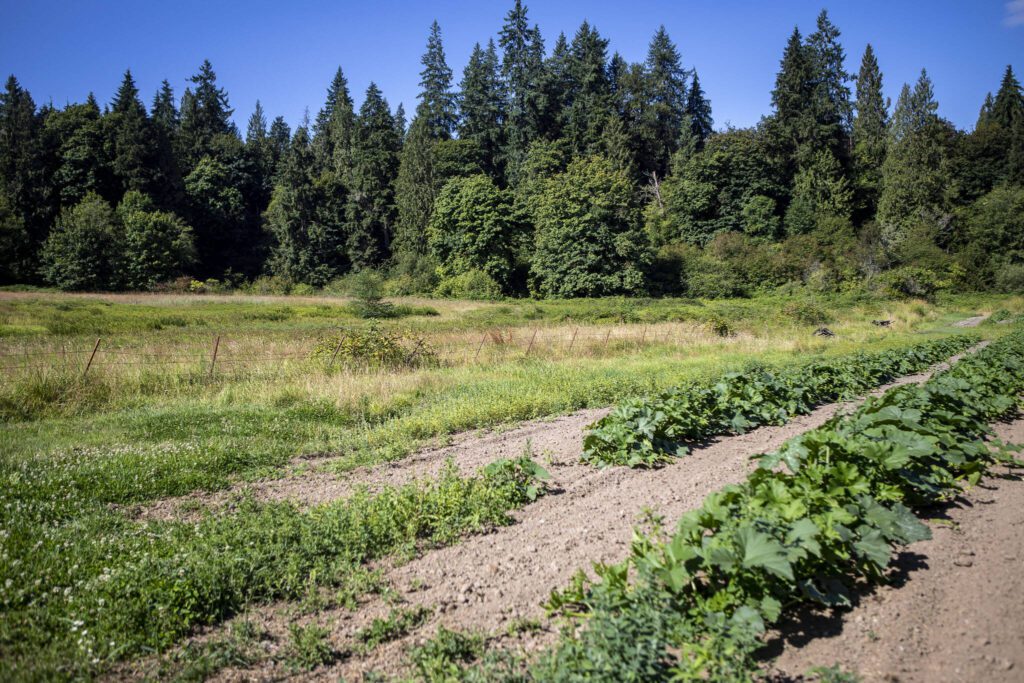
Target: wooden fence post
(609,334)
(335,354)
(213,359)
(479,347)
(643,337)
(532,339)
(94,350)
(573,340)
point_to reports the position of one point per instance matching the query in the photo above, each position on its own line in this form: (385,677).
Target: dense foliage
(554,172)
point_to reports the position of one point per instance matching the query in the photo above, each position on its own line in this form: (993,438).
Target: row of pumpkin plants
(817,519)
(647,432)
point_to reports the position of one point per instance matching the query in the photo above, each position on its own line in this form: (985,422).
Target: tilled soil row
(496,583)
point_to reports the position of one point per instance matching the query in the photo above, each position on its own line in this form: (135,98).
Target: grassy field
(150,420)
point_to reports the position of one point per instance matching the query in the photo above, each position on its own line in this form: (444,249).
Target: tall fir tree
(1008,106)
(131,142)
(666,99)
(414,190)
(522,68)
(21,173)
(985,113)
(205,114)
(481,107)
(334,127)
(371,204)
(437,101)
(834,110)
(698,109)
(870,135)
(589,105)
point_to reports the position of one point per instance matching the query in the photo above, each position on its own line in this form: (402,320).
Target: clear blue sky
(284,53)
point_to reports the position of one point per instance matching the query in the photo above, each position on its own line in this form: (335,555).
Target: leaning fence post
(643,337)
(335,354)
(606,336)
(573,340)
(480,346)
(89,364)
(532,339)
(213,359)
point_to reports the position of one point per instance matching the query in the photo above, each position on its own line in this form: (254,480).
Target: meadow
(149,420)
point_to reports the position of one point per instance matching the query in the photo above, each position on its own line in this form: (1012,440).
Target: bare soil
(954,610)
(496,583)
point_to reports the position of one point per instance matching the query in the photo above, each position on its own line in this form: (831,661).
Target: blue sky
(285,53)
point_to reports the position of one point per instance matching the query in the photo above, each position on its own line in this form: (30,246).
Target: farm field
(297,507)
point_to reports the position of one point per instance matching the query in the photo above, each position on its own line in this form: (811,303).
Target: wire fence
(223,353)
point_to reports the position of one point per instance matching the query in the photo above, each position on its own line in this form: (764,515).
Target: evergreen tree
(915,175)
(985,114)
(1008,107)
(400,122)
(794,95)
(415,189)
(437,102)
(667,100)
(164,113)
(334,127)
(278,140)
(205,114)
(548,97)
(371,204)
(522,67)
(78,160)
(481,105)
(820,192)
(131,142)
(589,107)
(834,111)
(869,135)
(256,130)
(21,161)
(698,109)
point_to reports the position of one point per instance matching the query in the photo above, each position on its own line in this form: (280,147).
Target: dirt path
(971,322)
(491,583)
(956,610)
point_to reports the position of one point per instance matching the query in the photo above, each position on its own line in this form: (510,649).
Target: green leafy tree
(371,207)
(84,250)
(77,157)
(158,246)
(475,227)
(589,239)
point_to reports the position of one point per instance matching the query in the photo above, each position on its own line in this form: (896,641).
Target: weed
(308,647)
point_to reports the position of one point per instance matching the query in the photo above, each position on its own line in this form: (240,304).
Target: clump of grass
(397,624)
(445,656)
(308,647)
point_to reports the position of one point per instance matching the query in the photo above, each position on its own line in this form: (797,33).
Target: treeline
(563,172)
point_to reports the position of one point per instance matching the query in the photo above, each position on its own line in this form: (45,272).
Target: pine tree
(131,141)
(165,120)
(481,105)
(522,66)
(834,111)
(437,102)
(1008,107)
(985,114)
(549,94)
(666,96)
(164,113)
(371,204)
(277,142)
(21,178)
(205,114)
(794,95)
(869,134)
(78,150)
(698,109)
(256,130)
(415,189)
(590,91)
(400,122)
(334,127)
(915,175)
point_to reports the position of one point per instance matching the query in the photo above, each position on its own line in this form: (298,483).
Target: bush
(708,278)
(1010,278)
(374,348)
(157,245)
(473,284)
(412,274)
(807,313)
(909,282)
(270,285)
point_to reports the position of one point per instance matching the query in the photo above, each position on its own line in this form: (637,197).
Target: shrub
(374,348)
(157,245)
(707,278)
(303,289)
(1010,278)
(909,282)
(807,313)
(474,284)
(270,284)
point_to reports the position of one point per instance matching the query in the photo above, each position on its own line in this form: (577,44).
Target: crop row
(645,432)
(818,517)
